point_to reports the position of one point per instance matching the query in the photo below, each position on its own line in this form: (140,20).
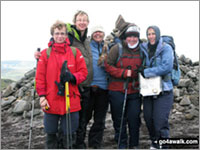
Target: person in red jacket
(50,80)
(121,67)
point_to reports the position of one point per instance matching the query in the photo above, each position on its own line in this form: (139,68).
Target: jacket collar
(95,44)
(59,47)
(76,33)
(159,49)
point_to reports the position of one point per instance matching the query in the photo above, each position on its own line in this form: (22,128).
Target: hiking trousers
(156,114)
(53,122)
(81,131)
(132,117)
(98,106)
(55,128)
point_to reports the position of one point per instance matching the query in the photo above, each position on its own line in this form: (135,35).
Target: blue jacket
(161,64)
(99,73)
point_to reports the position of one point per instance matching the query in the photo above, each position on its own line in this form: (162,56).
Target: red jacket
(48,71)
(118,70)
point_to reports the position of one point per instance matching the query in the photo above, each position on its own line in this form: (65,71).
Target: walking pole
(68,117)
(123,109)
(32,111)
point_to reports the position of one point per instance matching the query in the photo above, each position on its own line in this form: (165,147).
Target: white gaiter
(133,46)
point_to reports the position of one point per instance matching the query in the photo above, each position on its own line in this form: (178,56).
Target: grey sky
(25,26)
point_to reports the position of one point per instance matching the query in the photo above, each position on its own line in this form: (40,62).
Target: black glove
(66,75)
(140,69)
(61,88)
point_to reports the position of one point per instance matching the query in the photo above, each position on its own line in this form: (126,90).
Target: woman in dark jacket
(123,60)
(159,62)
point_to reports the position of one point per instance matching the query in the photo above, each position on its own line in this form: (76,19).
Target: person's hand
(129,72)
(66,75)
(103,55)
(140,69)
(61,88)
(37,55)
(44,103)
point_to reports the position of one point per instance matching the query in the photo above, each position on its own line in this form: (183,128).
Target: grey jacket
(85,49)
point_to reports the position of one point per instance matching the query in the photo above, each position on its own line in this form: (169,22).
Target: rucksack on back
(72,48)
(176,72)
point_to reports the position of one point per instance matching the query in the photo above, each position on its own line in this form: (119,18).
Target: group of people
(92,87)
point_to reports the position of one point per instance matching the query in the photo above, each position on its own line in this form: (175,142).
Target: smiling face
(81,22)
(151,35)
(132,40)
(59,36)
(98,36)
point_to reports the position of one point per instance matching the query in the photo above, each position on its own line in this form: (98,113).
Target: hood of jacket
(157,31)
(145,50)
(59,47)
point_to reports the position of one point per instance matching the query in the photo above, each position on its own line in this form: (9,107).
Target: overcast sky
(25,26)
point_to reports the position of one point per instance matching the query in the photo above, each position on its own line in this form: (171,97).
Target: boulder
(185,101)
(7,101)
(21,106)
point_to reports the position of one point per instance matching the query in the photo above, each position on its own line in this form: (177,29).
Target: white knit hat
(97,28)
(133,30)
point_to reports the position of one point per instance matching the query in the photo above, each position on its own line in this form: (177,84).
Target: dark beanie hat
(157,32)
(132,31)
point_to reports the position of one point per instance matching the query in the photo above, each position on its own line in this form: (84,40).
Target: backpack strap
(72,48)
(120,49)
(120,53)
(48,52)
(175,62)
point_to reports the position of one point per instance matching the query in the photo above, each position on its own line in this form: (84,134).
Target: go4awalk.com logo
(177,141)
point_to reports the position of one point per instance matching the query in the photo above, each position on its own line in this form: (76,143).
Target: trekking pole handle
(128,78)
(38,49)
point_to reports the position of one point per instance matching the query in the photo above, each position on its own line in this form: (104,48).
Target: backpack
(72,48)
(176,72)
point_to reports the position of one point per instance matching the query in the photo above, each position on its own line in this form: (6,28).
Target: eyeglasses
(59,33)
(79,20)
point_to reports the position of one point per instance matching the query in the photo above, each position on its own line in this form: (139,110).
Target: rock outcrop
(16,108)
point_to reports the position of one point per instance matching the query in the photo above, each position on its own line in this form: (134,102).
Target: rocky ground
(15,132)
(16,109)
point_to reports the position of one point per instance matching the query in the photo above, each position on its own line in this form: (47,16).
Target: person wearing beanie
(132,31)
(98,102)
(159,61)
(97,28)
(122,61)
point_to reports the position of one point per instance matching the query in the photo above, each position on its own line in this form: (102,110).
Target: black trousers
(97,108)
(81,132)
